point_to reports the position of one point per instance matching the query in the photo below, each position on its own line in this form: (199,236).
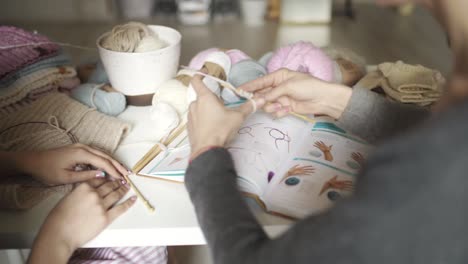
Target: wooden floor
(379,35)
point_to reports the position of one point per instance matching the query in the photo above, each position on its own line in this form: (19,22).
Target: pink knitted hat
(13,58)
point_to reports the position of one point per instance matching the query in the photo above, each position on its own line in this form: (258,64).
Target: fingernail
(259,102)
(129,172)
(287,109)
(133,198)
(278,106)
(101,174)
(123,181)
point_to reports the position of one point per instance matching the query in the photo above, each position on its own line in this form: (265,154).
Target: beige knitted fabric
(23,86)
(406,83)
(52,121)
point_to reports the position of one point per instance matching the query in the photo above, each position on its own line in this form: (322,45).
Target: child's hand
(77,218)
(288,91)
(210,123)
(57,166)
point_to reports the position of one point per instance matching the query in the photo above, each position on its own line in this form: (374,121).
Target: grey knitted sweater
(409,207)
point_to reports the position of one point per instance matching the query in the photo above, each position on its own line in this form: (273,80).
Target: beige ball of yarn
(150,43)
(126,37)
(174,93)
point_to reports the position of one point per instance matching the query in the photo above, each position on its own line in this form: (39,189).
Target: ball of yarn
(303,57)
(265,59)
(229,96)
(126,37)
(221,59)
(99,74)
(245,71)
(174,93)
(109,103)
(346,54)
(150,43)
(236,56)
(165,115)
(199,59)
(210,83)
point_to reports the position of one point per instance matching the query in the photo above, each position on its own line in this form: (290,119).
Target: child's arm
(77,218)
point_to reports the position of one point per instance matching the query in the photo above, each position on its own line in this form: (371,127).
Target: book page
(260,146)
(322,171)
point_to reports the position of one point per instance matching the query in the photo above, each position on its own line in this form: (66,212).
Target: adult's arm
(409,207)
(375,118)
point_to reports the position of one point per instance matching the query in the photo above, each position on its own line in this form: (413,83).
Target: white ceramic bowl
(141,73)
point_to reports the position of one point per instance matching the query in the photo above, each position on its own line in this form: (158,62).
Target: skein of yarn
(303,57)
(109,103)
(265,59)
(150,43)
(245,71)
(126,37)
(165,115)
(174,93)
(237,56)
(198,60)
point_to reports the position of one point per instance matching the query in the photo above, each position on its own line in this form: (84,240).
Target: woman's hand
(209,122)
(61,165)
(77,218)
(288,91)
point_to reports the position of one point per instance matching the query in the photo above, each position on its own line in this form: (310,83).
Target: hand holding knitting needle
(58,166)
(210,123)
(287,91)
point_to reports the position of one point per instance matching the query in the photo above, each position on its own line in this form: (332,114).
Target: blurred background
(254,26)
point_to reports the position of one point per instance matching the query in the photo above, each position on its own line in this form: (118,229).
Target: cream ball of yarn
(165,115)
(150,43)
(174,93)
(210,83)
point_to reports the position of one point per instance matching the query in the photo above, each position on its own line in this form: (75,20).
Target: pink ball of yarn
(237,56)
(303,57)
(199,59)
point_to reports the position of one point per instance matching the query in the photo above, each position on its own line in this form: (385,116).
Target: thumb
(248,108)
(199,87)
(81,176)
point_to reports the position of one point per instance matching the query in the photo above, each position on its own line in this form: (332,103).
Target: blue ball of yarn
(109,103)
(245,71)
(99,74)
(265,59)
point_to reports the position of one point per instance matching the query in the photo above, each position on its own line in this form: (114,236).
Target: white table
(173,222)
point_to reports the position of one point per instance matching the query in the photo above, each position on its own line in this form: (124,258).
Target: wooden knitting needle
(139,194)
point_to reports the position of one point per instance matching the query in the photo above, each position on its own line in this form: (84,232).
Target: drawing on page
(292,176)
(325,149)
(279,136)
(247,130)
(335,184)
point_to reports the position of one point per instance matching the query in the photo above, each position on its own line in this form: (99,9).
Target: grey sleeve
(409,207)
(374,118)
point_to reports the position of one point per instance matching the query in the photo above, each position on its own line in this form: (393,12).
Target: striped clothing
(130,255)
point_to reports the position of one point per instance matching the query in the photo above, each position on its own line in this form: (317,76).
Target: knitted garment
(22,87)
(52,121)
(31,48)
(406,83)
(59,60)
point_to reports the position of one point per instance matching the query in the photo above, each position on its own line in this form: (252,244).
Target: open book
(291,167)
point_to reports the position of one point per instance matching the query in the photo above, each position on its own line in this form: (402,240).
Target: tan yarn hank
(52,121)
(406,83)
(126,37)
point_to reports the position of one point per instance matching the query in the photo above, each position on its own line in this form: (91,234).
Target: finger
(117,165)
(270,80)
(80,176)
(247,108)
(100,162)
(282,113)
(283,90)
(118,210)
(96,182)
(115,196)
(272,107)
(199,87)
(107,188)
